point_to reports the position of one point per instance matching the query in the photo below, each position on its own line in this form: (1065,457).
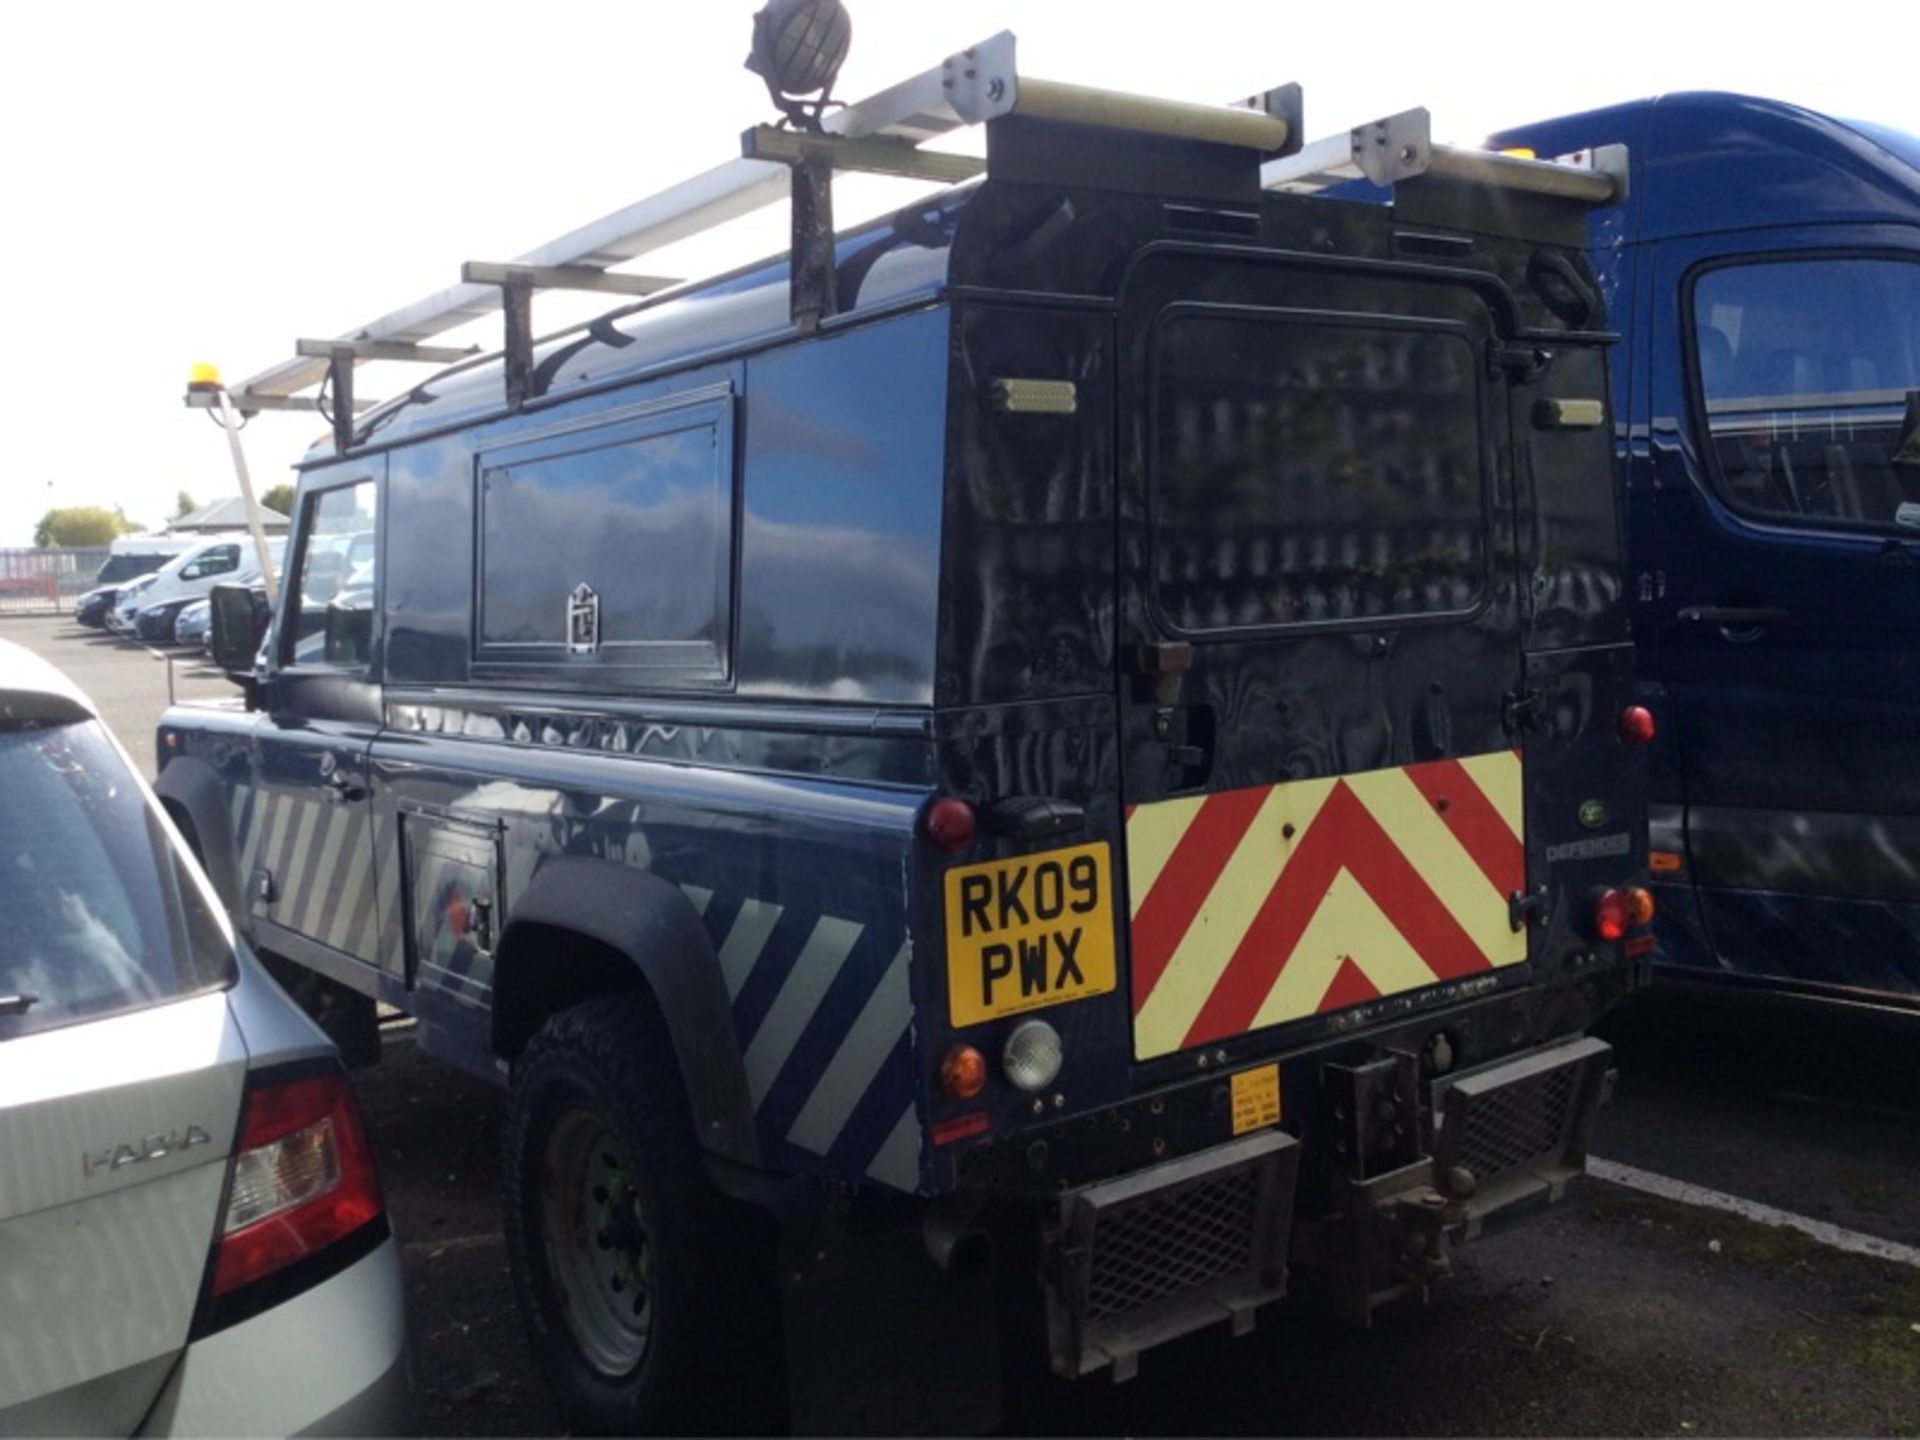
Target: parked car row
(151,607)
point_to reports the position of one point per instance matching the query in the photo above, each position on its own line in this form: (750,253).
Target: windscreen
(98,914)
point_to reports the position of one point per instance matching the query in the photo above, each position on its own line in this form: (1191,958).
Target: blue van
(1765,278)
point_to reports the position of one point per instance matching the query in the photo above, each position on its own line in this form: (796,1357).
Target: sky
(209,182)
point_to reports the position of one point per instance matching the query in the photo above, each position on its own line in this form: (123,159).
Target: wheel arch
(623,929)
(194,797)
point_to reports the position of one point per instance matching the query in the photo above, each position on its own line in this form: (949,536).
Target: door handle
(1736,617)
(341,789)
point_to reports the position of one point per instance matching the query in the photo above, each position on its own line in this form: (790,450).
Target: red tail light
(1636,725)
(1610,915)
(950,823)
(303,1179)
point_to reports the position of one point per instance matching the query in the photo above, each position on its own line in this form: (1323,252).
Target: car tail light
(1639,905)
(1609,915)
(303,1200)
(1636,725)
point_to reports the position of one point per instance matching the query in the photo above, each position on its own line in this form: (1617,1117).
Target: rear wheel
(648,1294)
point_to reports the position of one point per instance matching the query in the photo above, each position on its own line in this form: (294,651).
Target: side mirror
(238,617)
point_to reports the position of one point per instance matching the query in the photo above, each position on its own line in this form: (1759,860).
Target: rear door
(121,1073)
(1319,641)
(1784,568)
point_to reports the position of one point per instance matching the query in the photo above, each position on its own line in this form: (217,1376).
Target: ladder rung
(873,155)
(563,277)
(384,350)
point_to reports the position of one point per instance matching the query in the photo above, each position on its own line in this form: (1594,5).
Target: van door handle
(1736,617)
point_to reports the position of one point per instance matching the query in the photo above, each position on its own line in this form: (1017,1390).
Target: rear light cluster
(303,1202)
(1615,912)
(1636,725)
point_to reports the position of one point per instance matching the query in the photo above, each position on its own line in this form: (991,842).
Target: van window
(612,546)
(333,622)
(219,560)
(1307,471)
(1808,370)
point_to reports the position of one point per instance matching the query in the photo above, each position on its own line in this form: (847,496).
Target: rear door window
(1809,375)
(100,914)
(1311,471)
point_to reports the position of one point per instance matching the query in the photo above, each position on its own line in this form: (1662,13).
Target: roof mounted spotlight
(798,48)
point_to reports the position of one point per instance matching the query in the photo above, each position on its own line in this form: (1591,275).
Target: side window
(1809,372)
(1306,472)
(612,546)
(221,560)
(332,622)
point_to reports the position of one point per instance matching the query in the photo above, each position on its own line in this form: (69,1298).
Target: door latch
(1527,907)
(1523,711)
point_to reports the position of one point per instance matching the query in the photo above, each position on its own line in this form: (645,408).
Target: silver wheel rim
(598,1250)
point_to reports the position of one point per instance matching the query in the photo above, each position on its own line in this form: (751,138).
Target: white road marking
(1827,1233)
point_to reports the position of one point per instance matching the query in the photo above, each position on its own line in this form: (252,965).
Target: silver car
(194,626)
(192,1237)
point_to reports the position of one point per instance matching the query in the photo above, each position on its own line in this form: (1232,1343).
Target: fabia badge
(583,621)
(1594,814)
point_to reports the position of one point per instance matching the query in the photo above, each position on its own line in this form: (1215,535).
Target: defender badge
(583,621)
(1594,814)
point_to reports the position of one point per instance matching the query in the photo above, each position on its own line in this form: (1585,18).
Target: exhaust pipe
(958,1246)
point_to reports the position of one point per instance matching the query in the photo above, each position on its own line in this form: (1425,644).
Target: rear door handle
(1736,617)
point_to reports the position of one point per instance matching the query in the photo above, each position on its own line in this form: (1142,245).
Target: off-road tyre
(711,1361)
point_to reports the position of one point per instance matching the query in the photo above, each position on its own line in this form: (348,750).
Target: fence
(45,582)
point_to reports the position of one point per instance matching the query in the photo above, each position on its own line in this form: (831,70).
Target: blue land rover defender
(1057,755)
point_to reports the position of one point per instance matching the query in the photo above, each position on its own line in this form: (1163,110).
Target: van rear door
(1319,645)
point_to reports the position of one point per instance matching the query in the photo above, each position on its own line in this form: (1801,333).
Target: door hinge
(1523,711)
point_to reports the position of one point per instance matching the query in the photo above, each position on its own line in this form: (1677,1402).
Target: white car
(192,1236)
(192,575)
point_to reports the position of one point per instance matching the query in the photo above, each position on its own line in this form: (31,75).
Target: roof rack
(1401,147)
(883,134)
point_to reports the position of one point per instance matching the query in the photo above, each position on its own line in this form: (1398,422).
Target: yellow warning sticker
(1256,1099)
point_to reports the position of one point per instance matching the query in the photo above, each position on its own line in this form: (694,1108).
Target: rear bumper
(331,1361)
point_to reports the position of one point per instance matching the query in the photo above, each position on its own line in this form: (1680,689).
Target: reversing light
(963,1072)
(1032,1056)
(1636,725)
(950,823)
(1610,915)
(1639,905)
(303,1179)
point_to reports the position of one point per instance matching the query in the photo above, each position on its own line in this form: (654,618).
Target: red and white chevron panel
(1254,907)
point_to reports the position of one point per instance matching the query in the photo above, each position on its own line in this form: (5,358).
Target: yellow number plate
(1027,933)
(1256,1099)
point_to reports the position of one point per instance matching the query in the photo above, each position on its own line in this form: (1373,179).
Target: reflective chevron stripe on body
(1254,907)
(822,1008)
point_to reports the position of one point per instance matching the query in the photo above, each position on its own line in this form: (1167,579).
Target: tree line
(84,526)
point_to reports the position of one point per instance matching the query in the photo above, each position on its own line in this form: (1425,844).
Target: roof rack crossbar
(1401,147)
